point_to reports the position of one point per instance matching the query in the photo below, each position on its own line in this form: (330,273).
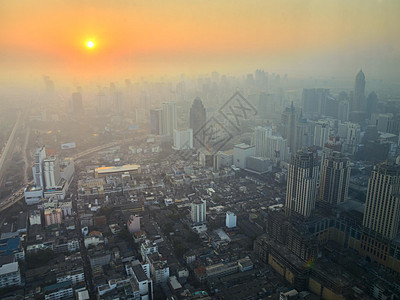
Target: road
(8,147)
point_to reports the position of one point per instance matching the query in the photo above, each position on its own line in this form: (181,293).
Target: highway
(8,146)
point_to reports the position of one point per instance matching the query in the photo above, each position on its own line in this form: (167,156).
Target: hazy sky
(133,38)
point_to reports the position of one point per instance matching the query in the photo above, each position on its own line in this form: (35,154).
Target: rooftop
(139,273)
(114,169)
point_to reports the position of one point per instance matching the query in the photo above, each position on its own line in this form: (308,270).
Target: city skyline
(134,39)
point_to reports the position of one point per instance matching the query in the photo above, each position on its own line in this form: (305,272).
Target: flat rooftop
(117,169)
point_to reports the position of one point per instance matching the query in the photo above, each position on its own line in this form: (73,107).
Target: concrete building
(142,283)
(169,118)
(35,218)
(301,189)
(115,170)
(321,133)
(148,248)
(33,194)
(197,120)
(51,172)
(359,103)
(133,224)
(382,205)
(289,126)
(224,159)
(230,220)
(349,133)
(198,211)
(52,216)
(156,121)
(270,146)
(37,168)
(240,154)
(10,275)
(183,139)
(335,176)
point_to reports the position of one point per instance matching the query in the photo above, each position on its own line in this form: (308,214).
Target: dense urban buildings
(299,199)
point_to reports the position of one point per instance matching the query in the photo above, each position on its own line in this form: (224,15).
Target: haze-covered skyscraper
(382,206)
(289,122)
(335,175)
(169,118)
(359,92)
(197,121)
(301,188)
(156,122)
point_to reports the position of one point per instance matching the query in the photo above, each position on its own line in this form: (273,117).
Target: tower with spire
(359,92)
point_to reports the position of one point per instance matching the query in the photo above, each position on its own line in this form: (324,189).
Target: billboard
(68,146)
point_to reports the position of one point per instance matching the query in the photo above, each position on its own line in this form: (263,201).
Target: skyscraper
(197,121)
(359,92)
(37,169)
(156,122)
(51,172)
(335,175)
(382,205)
(301,189)
(289,122)
(270,146)
(169,118)
(321,133)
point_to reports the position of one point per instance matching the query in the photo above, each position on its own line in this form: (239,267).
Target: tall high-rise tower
(169,118)
(382,206)
(156,122)
(198,211)
(301,189)
(335,175)
(37,168)
(197,121)
(51,172)
(321,133)
(359,92)
(289,122)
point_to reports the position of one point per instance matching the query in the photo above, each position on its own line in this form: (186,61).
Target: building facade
(301,189)
(382,205)
(335,176)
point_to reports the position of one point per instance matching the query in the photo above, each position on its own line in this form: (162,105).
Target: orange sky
(135,38)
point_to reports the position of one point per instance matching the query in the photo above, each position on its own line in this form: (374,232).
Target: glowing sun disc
(90,44)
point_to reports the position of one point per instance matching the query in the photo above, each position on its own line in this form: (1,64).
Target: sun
(90,44)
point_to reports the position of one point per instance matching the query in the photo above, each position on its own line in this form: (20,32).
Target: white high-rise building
(169,118)
(230,220)
(183,139)
(51,170)
(382,205)
(270,146)
(37,169)
(335,176)
(198,211)
(349,133)
(301,189)
(321,133)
